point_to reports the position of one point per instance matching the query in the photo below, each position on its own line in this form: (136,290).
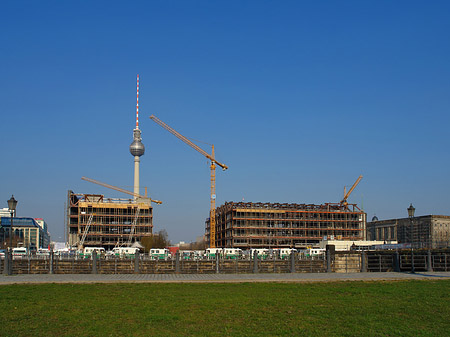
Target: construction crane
(214,162)
(344,202)
(144,198)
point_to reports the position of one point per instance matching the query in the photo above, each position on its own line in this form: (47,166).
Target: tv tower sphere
(137,148)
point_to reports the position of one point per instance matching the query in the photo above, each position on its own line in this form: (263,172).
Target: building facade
(274,225)
(26,232)
(93,220)
(428,231)
(41,222)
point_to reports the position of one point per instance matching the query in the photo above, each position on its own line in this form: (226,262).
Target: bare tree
(157,240)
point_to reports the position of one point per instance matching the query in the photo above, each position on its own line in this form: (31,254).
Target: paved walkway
(201,278)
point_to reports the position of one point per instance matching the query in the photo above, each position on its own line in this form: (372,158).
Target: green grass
(407,308)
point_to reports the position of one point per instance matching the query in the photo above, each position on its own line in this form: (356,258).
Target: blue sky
(298,97)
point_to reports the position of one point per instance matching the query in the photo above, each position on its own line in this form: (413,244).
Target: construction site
(94,220)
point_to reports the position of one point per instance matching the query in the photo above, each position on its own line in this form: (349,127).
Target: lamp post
(411,211)
(12,203)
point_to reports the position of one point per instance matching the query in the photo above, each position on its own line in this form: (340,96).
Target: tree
(157,240)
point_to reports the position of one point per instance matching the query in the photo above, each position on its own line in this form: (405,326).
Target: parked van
(65,252)
(159,253)
(232,253)
(125,251)
(261,253)
(87,252)
(285,253)
(187,254)
(43,252)
(315,252)
(199,254)
(19,253)
(211,253)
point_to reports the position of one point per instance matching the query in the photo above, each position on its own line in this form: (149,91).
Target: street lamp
(411,211)
(12,203)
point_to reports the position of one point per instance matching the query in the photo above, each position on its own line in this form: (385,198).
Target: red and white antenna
(137,104)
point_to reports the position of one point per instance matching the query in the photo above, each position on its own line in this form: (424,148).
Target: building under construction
(273,225)
(93,220)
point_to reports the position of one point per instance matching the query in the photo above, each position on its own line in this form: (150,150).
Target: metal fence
(146,265)
(339,262)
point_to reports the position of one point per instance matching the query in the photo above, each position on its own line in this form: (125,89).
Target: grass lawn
(401,308)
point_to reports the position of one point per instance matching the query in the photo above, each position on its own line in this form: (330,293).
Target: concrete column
(363,262)
(217,263)
(177,262)
(94,262)
(137,258)
(330,256)
(6,264)
(50,258)
(396,262)
(429,261)
(293,257)
(255,262)
(10,262)
(328,262)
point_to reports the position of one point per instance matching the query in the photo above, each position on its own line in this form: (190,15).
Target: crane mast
(214,162)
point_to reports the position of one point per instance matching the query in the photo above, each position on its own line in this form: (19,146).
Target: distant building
(274,225)
(26,232)
(428,231)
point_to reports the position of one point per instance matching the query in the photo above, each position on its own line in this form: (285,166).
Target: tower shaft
(136,175)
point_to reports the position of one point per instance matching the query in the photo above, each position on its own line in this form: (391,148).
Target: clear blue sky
(299,98)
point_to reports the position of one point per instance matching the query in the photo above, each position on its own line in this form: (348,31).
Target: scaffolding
(106,222)
(283,225)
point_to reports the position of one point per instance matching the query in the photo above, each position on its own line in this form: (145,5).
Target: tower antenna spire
(137,149)
(137,103)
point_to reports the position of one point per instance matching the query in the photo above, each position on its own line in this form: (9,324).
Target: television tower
(137,149)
